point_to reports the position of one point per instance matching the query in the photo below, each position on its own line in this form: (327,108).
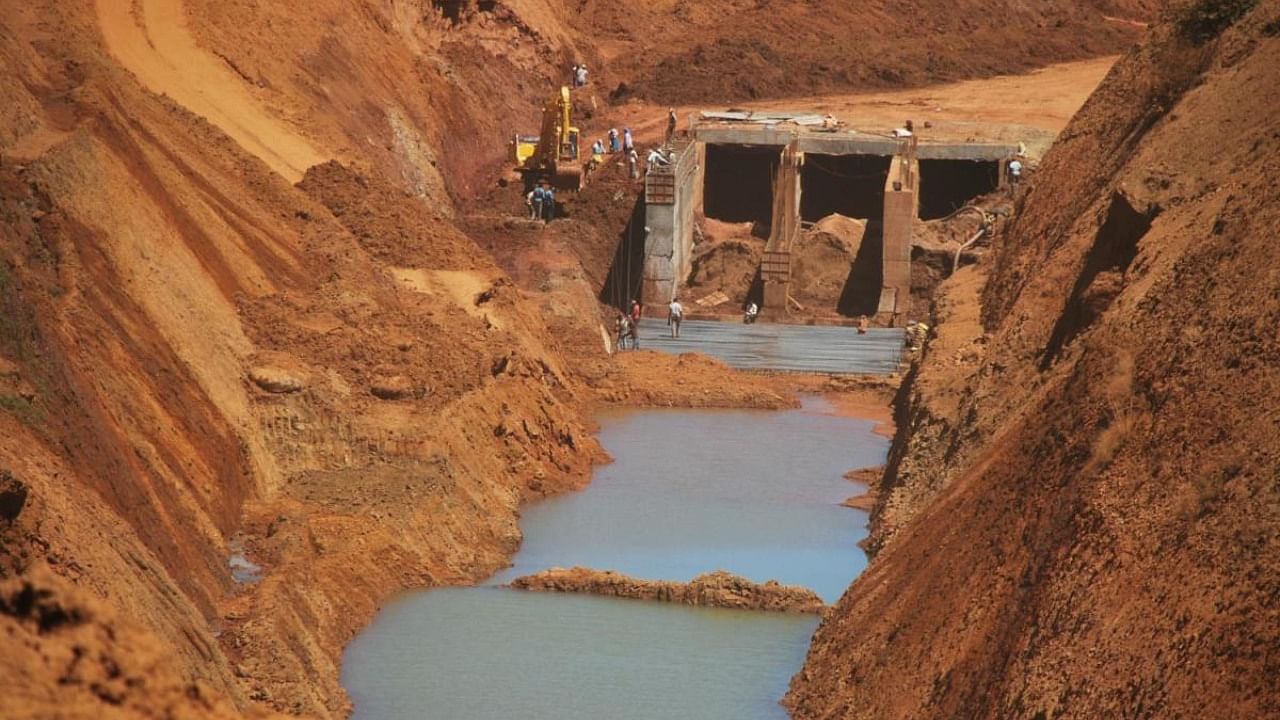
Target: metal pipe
(976,236)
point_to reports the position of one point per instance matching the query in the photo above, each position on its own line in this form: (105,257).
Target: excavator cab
(555,154)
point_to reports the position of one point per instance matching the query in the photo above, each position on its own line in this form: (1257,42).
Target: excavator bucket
(568,176)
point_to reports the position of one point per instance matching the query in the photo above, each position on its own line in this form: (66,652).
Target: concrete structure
(819,142)
(672,193)
(775,269)
(901,201)
(774,346)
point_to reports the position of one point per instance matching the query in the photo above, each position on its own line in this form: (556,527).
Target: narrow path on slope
(151,39)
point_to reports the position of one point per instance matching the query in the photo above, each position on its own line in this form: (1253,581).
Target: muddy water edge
(756,493)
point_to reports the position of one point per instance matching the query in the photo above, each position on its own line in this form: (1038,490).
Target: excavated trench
(756,495)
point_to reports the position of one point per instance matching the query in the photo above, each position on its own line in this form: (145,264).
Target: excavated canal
(755,493)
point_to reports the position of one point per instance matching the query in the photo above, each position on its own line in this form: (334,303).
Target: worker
(636,310)
(538,198)
(614,145)
(655,159)
(581,75)
(573,75)
(549,204)
(622,328)
(528,203)
(1015,173)
(752,312)
(917,332)
(597,156)
(633,164)
(675,315)
(862,324)
(671,125)
(628,142)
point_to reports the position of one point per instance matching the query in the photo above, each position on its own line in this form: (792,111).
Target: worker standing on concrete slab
(633,164)
(628,142)
(675,315)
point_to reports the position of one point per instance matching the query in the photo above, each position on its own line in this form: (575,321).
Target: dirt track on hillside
(153,42)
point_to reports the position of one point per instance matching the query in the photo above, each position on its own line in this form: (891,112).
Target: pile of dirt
(726,259)
(822,264)
(714,589)
(728,50)
(1079,517)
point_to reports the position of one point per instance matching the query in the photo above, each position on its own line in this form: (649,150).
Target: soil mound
(822,263)
(714,589)
(1087,453)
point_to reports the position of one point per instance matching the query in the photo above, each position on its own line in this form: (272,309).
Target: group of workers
(541,202)
(627,324)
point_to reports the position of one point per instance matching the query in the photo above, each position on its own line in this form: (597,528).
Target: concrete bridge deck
(790,348)
(846,142)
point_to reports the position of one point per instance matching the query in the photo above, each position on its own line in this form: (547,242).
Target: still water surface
(754,493)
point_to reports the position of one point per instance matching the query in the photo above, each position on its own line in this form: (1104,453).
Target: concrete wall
(900,205)
(673,194)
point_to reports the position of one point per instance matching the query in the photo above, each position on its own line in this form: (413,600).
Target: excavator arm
(557,153)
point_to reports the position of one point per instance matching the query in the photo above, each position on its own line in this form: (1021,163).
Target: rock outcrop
(714,589)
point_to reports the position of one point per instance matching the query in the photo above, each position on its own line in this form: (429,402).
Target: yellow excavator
(554,155)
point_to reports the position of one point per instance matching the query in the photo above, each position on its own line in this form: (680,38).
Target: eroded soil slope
(1080,517)
(197,356)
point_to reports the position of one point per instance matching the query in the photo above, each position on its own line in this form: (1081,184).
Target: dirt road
(156,44)
(1029,108)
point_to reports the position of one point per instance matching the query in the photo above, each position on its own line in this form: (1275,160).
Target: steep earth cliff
(201,358)
(1080,517)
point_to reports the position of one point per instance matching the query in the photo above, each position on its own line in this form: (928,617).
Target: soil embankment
(199,352)
(714,589)
(1079,516)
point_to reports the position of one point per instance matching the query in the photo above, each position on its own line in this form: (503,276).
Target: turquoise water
(755,493)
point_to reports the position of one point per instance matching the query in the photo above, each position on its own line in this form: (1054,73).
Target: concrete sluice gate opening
(738,184)
(853,186)
(946,185)
(849,185)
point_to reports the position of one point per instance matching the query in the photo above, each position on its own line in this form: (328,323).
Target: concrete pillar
(671,194)
(900,207)
(775,269)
